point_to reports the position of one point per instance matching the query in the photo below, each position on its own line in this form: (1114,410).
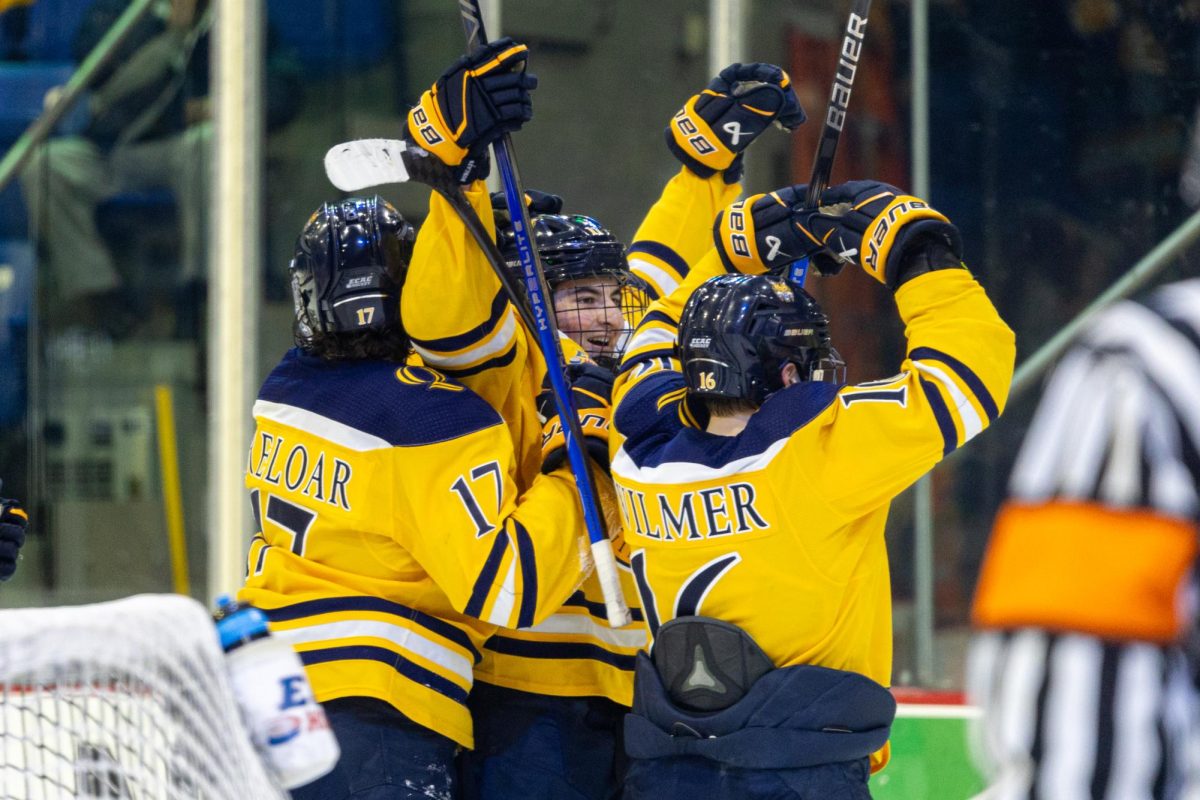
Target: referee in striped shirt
(1086,595)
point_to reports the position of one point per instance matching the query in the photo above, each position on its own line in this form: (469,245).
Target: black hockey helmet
(572,246)
(738,331)
(576,247)
(348,269)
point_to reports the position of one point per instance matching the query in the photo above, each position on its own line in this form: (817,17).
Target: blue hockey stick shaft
(546,331)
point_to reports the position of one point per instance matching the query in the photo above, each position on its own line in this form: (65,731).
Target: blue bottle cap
(241,626)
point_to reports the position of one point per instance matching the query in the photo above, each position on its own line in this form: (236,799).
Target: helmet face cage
(348,268)
(596,299)
(737,333)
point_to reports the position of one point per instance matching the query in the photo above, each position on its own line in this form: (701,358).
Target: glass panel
(103,247)
(1058,136)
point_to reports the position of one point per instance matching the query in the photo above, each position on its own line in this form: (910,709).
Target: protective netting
(128,699)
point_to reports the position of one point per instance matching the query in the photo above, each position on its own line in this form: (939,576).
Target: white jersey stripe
(507,596)
(1123,473)
(1034,475)
(650,335)
(1071,713)
(1172,486)
(1085,435)
(495,344)
(629,638)
(1169,358)
(684,472)
(663,282)
(1024,671)
(969,418)
(404,638)
(318,425)
(1136,698)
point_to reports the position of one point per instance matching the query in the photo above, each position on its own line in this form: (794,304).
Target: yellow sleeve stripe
(685,413)
(671,397)
(489,346)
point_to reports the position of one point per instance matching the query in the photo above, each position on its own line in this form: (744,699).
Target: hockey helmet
(348,268)
(577,249)
(737,332)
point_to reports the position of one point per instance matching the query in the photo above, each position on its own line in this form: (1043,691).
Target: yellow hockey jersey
(395,535)
(462,324)
(780,529)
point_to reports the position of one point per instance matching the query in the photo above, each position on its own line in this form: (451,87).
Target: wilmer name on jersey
(693,515)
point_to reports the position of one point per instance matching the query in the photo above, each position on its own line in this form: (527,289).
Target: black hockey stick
(366,163)
(835,116)
(547,334)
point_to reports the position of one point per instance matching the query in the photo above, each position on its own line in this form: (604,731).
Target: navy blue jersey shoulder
(370,397)
(783,413)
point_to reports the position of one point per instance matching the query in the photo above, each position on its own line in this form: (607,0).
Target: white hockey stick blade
(362,163)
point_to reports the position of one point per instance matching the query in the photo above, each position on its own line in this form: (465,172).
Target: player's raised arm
(454,308)
(954,380)
(709,135)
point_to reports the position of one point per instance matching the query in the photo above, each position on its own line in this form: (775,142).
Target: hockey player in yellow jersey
(549,700)
(755,485)
(398,528)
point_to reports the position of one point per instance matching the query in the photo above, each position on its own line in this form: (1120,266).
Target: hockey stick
(547,334)
(366,163)
(835,117)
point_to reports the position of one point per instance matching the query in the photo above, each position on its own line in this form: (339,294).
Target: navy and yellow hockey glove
(759,234)
(713,129)
(476,101)
(591,390)
(893,236)
(13,522)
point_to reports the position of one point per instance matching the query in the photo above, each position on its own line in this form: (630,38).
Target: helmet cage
(576,247)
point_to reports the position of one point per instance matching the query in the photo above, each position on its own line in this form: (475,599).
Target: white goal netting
(128,699)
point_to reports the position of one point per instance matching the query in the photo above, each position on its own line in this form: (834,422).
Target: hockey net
(128,699)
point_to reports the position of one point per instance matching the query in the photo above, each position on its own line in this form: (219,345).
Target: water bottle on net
(286,724)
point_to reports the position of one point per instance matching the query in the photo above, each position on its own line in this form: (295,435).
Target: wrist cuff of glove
(923,247)
(733,173)
(475,167)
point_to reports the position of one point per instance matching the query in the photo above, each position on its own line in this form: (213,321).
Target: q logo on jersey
(426,376)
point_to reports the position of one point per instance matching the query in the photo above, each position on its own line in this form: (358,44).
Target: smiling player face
(589,311)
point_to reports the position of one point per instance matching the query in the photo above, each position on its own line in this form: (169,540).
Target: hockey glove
(591,390)
(759,234)
(13,521)
(711,131)
(476,101)
(893,236)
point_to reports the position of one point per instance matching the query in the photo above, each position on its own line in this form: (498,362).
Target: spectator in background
(150,128)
